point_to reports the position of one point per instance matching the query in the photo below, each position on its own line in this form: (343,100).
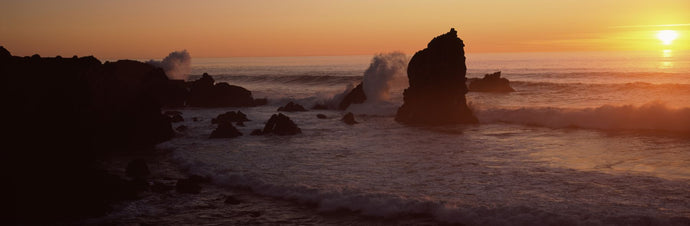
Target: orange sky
(224,28)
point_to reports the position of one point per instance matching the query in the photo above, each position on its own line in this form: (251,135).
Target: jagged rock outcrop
(491,83)
(225,130)
(204,93)
(230,116)
(292,107)
(280,124)
(355,96)
(67,113)
(4,54)
(437,84)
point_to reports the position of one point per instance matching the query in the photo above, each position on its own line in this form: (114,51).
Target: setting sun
(667,36)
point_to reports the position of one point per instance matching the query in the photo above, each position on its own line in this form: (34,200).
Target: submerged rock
(230,116)
(280,124)
(437,84)
(321,116)
(292,107)
(349,119)
(225,130)
(491,83)
(355,96)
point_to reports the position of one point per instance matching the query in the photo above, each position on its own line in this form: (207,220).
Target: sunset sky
(223,28)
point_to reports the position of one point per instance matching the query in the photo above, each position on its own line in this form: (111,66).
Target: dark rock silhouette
(491,83)
(181,128)
(280,124)
(4,54)
(437,84)
(321,116)
(292,107)
(96,110)
(349,119)
(230,117)
(137,169)
(240,124)
(225,130)
(204,93)
(176,94)
(355,96)
(175,116)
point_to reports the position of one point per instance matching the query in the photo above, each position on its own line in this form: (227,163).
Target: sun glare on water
(667,36)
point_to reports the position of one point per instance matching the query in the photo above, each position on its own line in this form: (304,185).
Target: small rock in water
(321,116)
(349,119)
(230,116)
(491,83)
(225,130)
(281,125)
(292,107)
(181,128)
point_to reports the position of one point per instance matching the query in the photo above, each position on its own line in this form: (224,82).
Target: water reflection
(666,54)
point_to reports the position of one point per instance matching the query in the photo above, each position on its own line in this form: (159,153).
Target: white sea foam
(650,116)
(176,65)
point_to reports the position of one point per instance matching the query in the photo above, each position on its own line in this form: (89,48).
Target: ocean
(588,138)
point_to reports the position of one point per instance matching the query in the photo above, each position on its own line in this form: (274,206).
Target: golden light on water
(667,36)
(667,53)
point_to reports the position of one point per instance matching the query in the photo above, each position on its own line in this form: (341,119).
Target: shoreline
(220,205)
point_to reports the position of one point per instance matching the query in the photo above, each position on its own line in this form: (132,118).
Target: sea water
(586,139)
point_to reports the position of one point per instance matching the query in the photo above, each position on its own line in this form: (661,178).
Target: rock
(176,94)
(356,96)
(281,125)
(436,94)
(491,83)
(181,128)
(176,118)
(240,124)
(203,93)
(257,132)
(230,116)
(292,107)
(4,54)
(349,119)
(225,130)
(137,169)
(99,110)
(321,116)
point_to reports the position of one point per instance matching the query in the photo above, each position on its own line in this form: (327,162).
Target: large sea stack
(437,84)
